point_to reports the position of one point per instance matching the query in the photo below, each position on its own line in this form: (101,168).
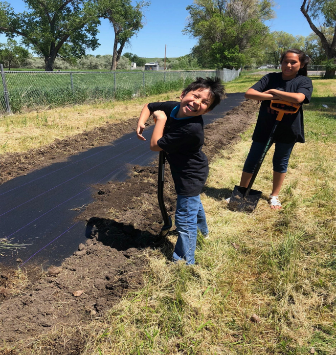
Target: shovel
(166,219)
(245,198)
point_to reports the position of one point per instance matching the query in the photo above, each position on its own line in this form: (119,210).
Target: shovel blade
(166,228)
(243,204)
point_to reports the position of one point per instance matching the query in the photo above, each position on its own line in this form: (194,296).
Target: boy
(179,132)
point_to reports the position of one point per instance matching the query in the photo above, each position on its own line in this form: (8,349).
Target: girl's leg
(281,156)
(187,209)
(251,162)
(245,179)
(278,179)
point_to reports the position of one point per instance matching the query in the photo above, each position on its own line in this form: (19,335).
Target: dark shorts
(281,156)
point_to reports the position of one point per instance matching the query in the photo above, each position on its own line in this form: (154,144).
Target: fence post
(143,79)
(6,95)
(72,86)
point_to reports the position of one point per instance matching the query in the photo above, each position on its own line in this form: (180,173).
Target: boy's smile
(195,103)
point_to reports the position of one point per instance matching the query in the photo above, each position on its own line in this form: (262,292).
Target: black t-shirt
(290,129)
(182,141)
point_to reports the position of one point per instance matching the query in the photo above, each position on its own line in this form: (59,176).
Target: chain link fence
(29,90)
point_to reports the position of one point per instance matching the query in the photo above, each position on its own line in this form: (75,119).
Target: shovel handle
(166,219)
(284,108)
(279,116)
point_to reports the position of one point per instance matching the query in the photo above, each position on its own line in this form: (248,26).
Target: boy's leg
(201,221)
(187,209)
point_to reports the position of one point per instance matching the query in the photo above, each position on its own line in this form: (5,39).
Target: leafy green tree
(313,46)
(53,28)
(324,12)
(229,32)
(126,19)
(278,42)
(140,62)
(186,62)
(124,63)
(11,53)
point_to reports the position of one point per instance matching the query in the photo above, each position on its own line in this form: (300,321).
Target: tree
(126,21)
(53,28)
(229,32)
(279,42)
(313,46)
(186,62)
(140,62)
(11,53)
(325,11)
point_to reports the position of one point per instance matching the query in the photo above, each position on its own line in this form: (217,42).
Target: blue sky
(165,20)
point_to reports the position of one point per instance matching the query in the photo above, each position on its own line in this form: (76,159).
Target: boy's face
(195,103)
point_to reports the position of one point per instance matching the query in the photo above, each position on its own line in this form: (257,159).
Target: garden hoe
(244,198)
(166,219)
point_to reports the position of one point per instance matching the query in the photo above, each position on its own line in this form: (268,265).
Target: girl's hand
(294,97)
(273,92)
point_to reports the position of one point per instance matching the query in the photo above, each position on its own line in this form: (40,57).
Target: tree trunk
(49,63)
(330,73)
(330,69)
(120,49)
(114,57)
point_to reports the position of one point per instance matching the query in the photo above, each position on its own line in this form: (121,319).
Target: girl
(291,85)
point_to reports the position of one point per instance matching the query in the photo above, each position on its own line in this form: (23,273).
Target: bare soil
(125,224)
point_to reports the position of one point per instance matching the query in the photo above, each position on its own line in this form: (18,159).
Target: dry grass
(21,132)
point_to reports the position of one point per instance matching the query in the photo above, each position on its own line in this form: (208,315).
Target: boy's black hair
(304,60)
(214,85)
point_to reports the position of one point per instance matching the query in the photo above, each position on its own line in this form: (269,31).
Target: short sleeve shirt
(182,141)
(291,128)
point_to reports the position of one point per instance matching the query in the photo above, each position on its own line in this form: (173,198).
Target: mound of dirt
(124,223)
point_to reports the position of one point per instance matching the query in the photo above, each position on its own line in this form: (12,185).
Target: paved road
(37,211)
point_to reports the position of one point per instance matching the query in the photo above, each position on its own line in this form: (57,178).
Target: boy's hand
(159,115)
(139,131)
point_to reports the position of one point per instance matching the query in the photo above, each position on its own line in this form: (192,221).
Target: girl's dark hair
(304,60)
(214,85)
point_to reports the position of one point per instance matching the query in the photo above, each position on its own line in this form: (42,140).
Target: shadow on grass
(326,104)
(218,194)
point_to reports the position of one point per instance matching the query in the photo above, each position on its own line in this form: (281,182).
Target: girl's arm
(274,94)
(144,115)
(160,119)
(260,96)
(294,97)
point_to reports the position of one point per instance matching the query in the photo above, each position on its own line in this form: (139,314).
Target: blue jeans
(189,217)
(281,156)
